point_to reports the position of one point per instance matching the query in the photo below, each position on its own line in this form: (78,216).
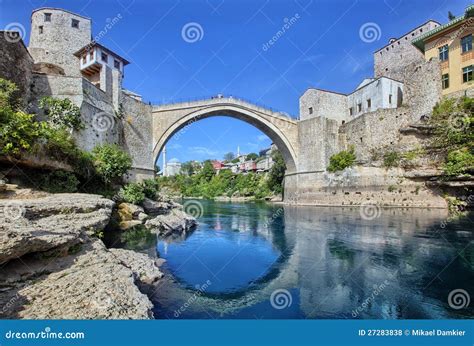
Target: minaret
(238,151)
(164,162)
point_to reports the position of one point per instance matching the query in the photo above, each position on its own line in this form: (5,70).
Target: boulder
(175,222)
(128,211)
(126,225)
(53,222)
(145,267)
(92,284)
(155,208)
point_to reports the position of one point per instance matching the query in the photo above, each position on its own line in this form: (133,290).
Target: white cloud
(262,138)
(203,151)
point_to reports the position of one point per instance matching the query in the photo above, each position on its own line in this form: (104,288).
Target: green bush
(62,113)
(342,160)
(150,188)
(391,159)
(277,173)
(132,193)
(59,181)
(110,162)
(18,131)
(459,162)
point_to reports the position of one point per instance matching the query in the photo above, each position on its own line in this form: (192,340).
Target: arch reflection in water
(333,263)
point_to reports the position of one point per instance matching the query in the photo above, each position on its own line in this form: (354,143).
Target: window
(351,111)
(104,57)
(75,23)
(390,99)
(359,107)
(466,43)
(445,81)
(117,64)
(47,17)
(84,58)
(91,55)
(369,103)
(467,74)
(443,52)
(40,28)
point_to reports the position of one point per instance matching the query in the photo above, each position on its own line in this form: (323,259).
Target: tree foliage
(62,113)
(342,160)
(110,162)
(277,172)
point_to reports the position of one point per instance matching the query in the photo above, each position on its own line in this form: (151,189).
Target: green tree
(277,172)
(251,157)
(110,162)
(229,156)
(341,160)
(188,168)
(207,171)
(61,113)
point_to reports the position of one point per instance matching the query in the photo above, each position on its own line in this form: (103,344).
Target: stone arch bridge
(282,129)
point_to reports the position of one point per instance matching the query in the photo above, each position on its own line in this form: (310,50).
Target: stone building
(451,43)
(391,59)
(371,94)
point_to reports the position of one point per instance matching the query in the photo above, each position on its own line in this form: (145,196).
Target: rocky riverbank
(54,264)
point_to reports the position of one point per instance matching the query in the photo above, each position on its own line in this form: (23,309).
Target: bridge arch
(169,120)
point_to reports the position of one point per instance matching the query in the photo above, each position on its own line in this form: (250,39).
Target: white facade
(98,55)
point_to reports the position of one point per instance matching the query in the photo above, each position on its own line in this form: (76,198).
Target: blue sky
(322,48)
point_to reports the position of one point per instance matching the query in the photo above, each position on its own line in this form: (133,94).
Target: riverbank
(55,264)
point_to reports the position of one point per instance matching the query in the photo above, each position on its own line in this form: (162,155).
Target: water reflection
(334,263)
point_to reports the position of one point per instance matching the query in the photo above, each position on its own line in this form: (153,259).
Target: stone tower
(56,34)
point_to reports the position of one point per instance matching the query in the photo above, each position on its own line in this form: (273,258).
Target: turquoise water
(253,260)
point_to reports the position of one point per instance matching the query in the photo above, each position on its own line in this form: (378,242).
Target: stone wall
(56,41)
(391,60)
(323,103)
(16,65)
(138,137)
(380,129)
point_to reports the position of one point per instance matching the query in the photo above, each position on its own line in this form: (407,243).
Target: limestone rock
(175,222)
(93,283)
(144,267)
(128,211)
(53,222)
(155,208)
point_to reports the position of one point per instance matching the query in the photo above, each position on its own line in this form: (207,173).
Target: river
(255,260)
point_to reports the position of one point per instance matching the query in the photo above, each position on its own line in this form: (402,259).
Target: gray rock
(144,267)
(154,208)
(53,222)
(142,217)
(92,284)
(175,222)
